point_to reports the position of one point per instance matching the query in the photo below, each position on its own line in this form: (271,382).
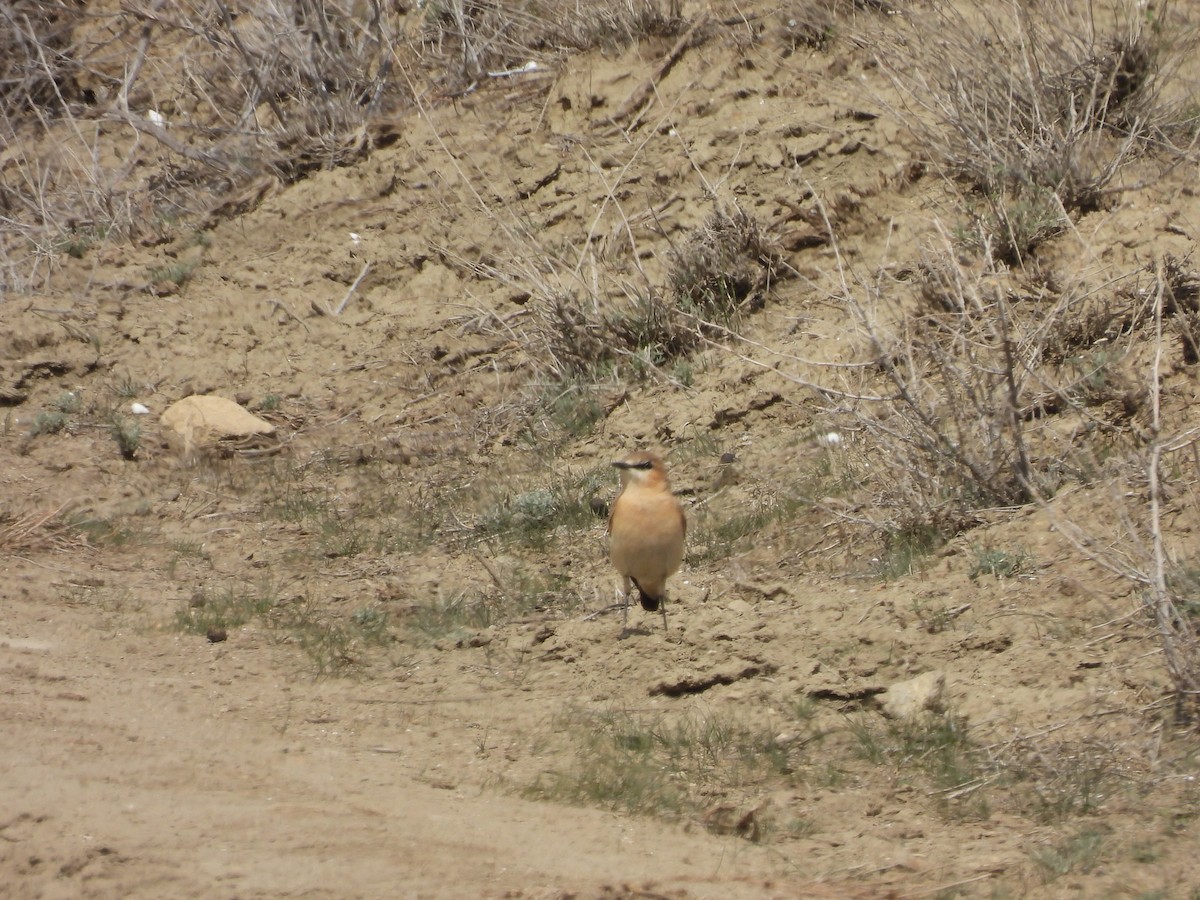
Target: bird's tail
(649,603)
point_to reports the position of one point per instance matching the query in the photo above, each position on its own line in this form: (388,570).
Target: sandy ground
(142,759)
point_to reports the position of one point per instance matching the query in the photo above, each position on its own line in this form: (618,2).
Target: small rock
(199,421)
(907,699)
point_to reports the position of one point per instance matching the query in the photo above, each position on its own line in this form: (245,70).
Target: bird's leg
(625,618)
(662,604)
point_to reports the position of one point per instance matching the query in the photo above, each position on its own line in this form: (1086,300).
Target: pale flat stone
(906,699)
(199,421)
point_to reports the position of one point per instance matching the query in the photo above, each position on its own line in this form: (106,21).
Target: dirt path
(139,765)
(433,508)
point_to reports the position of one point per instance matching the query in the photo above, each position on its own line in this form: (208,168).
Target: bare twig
(337,311)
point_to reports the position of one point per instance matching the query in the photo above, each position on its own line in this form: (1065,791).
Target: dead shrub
(722,271)
(1181,286)
(472,39)
(1036,107)
(37,62)
(725,268)
(269,93)
(988,389)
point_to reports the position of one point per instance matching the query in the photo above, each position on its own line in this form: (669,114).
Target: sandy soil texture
(376,654)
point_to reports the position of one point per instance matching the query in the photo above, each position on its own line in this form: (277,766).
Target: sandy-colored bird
(646,531)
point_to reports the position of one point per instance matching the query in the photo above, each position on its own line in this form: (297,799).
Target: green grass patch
(332,644)
(906,552)
(1000,563)
(663,765)
(530,518)
(449,618)
(1080,853)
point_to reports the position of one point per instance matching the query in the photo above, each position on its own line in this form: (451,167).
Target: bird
(646,530)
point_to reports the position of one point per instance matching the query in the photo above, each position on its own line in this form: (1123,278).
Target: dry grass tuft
(471,41)
(1035,108)
(724,270)
(35,532)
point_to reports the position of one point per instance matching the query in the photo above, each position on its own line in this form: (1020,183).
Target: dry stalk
(1019,99)
(1176,632)
(35,531)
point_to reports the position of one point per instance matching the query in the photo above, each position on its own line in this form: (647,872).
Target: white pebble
(138,410)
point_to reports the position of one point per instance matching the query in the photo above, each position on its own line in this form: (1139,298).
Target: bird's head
(641,468)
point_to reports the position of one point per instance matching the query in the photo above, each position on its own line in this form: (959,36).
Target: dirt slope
(403,678)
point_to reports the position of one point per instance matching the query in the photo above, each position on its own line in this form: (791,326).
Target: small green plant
(46,422)
(68,402)
(77,243)
(1000,563)
(332,645)
(178,272)
(1073,785)
(372,622)
(75,247)
(685,372)
(270,403)
(934,618)
(1145,852)
(127,388)
(906,552)
(224,610)
(103,532)
(128,436)
(530,517)
(181,550)
(1014,223)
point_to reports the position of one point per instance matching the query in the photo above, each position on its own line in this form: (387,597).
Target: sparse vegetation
(177,273)
(225,609)
(330,644)
(48,423)
(1000,563)
(1080,853)
(451,617)
(722,271)
(902,290)
(668,766)
(531,517)
(1038,110)
(128,436)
